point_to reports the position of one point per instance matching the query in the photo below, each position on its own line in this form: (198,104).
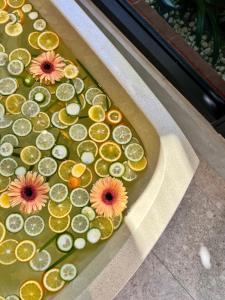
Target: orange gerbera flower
(108,197)
(47,67)
(28,191)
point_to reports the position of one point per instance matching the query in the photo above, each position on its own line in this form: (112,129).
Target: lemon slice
(91,93)
(13,29)
(66,119)
(40,24)
(88,212)
(7,252)
(33,39)
(2,232)
(71,71)
(122,134)
(59,225)
(110,151)
(31,290)
(99,132)
(78,84)
(134,152)
(4,183)
(96,113)
(3,4)
(52,280)
(79,197)
(14,103)
(18,13)
(15,3)
(59,210)
(105,225)
(34,226)
(15,67)
(8,166)
(138,165)
(58,192)
(103,100)
(4,16)
(30,109)
(22,54)
(78,170)
(8,86)
(41,261)
(2,48)
(56,122)
(25,251)
(22,127)
(80,223)
(129,175)
(4,201)
(102,167)
(30,155)
(87,146)
(48,41)
(45,140)
(78,132)
(65,92)
(47,166)
(40,122)
(117,221)
(65,169)
(86,178)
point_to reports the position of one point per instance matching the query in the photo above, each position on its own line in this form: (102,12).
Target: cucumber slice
(20,171)
(59,152)
(80,223)
(73,109)
(14,223)
(64,242)
(79,243)
(68,272)
(6,149)
(93,235)
(12,297)
(116,169)
(87,158)
(3,59)
(88,212)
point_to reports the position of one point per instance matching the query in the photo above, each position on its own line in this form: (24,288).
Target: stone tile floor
(173,270)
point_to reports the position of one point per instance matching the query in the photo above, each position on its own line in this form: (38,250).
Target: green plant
(210,16)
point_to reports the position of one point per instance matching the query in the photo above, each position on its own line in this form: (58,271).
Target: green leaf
(215,32)
(201,13)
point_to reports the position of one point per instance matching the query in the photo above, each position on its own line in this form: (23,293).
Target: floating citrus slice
(14,223)
(22,127)
(80,223)
(8,86)
(4,183)
(7,252)
(10,138)
(110,151)
(8,166)
(134,152)
(40,122)
(4,16)
(103,100)
(4,201)
(78,84)
(5,121)
(15,3)
(56,122)
(41,261)
(2,232)
(48,41)
(15,67)
(65,169)
(105,225)
(2,48)
(138,165)
(122,134)
(47,166)
(129,174)
(96,113)
(68,272)
(14,103)
(3,4)
(78,132)
(45,140)
(79,197)
(78,170)
(58,192)
(65,92)
(25,251)
(59,225)
(21,54)
(71,71)
(13,29)
(41,95)
(59,210)
(6,149)
(117,221)
(31,290)
(40,24)
(99,132)
(87,146)
(30,109)
(86,178)
(102,167)
(52,280)
(3,59)
(34,226)
(88,212)
(91,93)
(66,119)
(33,39)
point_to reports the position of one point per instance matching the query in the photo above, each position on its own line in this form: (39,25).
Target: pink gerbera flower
(108,197)
(47,67)
(28,191)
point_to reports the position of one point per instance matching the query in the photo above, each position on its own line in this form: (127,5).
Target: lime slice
(88,212)
(103,100)
(132,141)
(7,252)
(41,261)
(47,166)
(80,223)
(56,122)
(45,140)
(14,223)
(78,132)
(30,155)
(110,151)
(105,225)
(15,67)
(78,84)
(59,225)
(86,178)
(34,226)
(91,93)
(6,149)
(33,39)
(96,113)
(129,174)
(25,251)
(138,166)
(15,3)
(7,166)
(48,41)
(71,71)
(117,221)
(40,24)
(41,95)
(14,103)
(59,210)
(28,80)
(117,169)
(79,197)
(65,92)
(3,59)
(58,192)
(8,86)
(4,183)
(10,138)
(87,146)
(5,122)
(13,29)
(102,167)
(114,116)
(99,132)
(67,119)
(4,16)
(134,152)
(30,109)
(26,8)
(65,169)
(122,134)
(21,54)
(40,122)
(68,272)
(22,127)
(2,48)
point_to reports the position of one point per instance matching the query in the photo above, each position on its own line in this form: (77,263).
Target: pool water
(130,164)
